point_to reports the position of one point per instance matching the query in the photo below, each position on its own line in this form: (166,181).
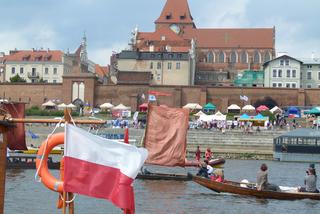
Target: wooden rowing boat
(28,162)
(163,176)
(235,188)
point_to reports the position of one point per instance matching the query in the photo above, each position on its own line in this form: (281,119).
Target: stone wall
(131,95)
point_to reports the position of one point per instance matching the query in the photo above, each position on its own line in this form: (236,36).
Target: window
(318,75)
(293,85)
(309,75)
(21,70)
(256,57)
(309,66)
(169,65)
(318,86)
(221,57)
(309,86)
(287,62)
(210,57)
(274,73)
(280,73)
(54,81)
(281,62)
(267,57)
(274,85)
(287,85)
(288,73)
(159,65)
(151,65)
(294,73)
(244,57)
(279,85)
(13,70)
(178,66)
(233,57)
(46,70)
(55,70)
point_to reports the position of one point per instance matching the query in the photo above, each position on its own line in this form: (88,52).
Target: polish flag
(101,168)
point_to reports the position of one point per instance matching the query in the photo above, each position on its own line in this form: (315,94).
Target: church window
(267,57)
(221,57)
(244,57)
(256,57)
(210,57)
(233,57)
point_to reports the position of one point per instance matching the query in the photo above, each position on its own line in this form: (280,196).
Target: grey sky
(59,24)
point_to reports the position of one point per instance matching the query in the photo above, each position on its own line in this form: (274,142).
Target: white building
(282,72)
(310,73)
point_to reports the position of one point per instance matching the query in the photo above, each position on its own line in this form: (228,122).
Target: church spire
(83,53)
(175,12)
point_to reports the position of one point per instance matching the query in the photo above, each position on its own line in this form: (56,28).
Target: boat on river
(163,176)
(28,162)
(250,190)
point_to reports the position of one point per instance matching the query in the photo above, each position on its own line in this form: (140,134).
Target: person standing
(208,154)
(198,153)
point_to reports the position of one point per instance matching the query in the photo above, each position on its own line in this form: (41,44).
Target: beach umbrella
(262,108)
(193,106)
(315,110)
(106,106)
(276,109)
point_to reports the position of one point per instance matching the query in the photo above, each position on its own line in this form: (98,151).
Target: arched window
(244,57)
(267,56)
(233,57)
(256,57)
(210,57)
(221,57)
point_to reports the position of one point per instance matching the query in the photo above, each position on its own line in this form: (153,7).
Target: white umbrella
(249,108)
(71,106)
(49,103)
(199,114)
(192,106)
(62,106)
(234,107)
(106,106)
(121,107)
(220,116)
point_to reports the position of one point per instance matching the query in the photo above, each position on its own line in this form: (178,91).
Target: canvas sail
(166,136)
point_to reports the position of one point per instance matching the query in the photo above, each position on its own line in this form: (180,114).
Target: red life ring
(46,177)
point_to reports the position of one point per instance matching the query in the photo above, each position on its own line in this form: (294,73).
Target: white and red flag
(101,168)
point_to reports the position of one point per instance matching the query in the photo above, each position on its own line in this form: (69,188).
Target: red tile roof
(175,11)
(232,38)
(101,71)
(35,56)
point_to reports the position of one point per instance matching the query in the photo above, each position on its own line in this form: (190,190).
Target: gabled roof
(35,56)
(175,11)
(282,57)
(101,71)
(232,38)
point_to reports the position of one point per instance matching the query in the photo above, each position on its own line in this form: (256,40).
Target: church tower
(175,15)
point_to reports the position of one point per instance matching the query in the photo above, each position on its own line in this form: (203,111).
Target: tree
(267,101)
(17,78)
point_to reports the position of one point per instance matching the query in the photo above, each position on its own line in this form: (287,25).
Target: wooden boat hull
(163,176)
(235,188)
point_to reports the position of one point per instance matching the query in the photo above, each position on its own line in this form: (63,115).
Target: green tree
(17,78)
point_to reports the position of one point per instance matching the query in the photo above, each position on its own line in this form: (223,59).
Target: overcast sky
(59,24)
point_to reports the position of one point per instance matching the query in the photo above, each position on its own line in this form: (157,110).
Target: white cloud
(102,55)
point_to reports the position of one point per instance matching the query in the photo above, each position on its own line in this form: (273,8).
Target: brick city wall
(36,94)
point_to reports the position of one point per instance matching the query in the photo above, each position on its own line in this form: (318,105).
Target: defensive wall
(131,95)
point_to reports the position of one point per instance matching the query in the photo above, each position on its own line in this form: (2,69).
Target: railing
(33,75)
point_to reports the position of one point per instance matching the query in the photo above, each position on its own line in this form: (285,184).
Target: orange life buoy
(46,177)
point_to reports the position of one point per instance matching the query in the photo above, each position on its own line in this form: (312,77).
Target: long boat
(236,188)
(163,176)
(28,162)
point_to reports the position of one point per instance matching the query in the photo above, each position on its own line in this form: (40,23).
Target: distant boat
(237,188)
(28,162)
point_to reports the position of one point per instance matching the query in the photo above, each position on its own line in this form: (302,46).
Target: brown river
(25,195)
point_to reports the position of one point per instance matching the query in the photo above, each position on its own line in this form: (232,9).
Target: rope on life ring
(46,177)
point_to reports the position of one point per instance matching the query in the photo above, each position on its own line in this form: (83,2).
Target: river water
(24,195)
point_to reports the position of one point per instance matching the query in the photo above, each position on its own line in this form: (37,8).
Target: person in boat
(218,175)
(198,153)
(262,180)
(208,154)
(205,169)
(312,165)
(310,182)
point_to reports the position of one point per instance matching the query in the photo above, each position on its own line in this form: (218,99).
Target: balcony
(33,75)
